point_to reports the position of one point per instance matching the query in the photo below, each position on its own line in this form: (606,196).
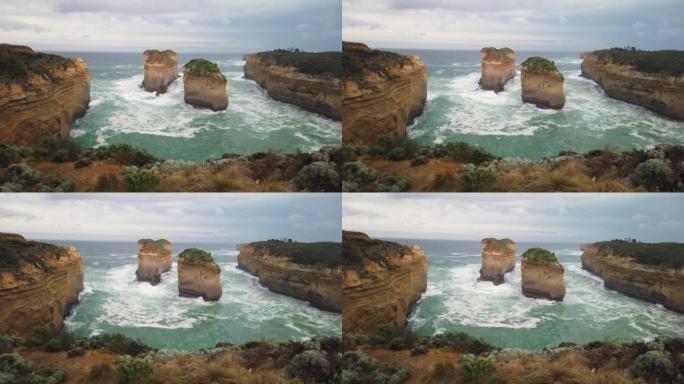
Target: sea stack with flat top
(542,83)
(198,275)
(498,66)
(161,69)
(542,275)
(154,258)
(204,85)
(498,258)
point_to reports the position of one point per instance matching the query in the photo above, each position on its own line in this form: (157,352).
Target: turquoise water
(457,110)
(122,112)
(113,301)
(456,301)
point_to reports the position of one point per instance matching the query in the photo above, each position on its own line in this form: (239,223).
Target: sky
(538,25)
(233,26)
(194,217)
(540,217)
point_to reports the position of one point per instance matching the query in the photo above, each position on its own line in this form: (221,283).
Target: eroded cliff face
(316,93)
(653,283)
(381,285)
(498,258)
(161,69)
(380,102)
(320,286)
(661,93)
(154,258)
(198,277)
(498,66)
(39,283)
(543,89)
(41,96)
(543,280)
(206,91)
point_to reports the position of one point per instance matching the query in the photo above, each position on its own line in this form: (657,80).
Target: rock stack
(498,258)
(542,275)
(154,258)
(198,275)
(161,69)
(204,85)
(498,66)
(542,83)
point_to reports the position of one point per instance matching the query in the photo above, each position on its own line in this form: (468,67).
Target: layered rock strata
(498,66)
(40,94)
(39,283)
(161,69)
(198,275)
(660,283)
(154,258)
(308,80)
(542,83)
(542,275)
(498,258)
(382,93)
(204,85)
(381,281)
(316,280)
(655,88)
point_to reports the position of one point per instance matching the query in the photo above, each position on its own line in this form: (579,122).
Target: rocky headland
(498,258)
(498,66)
(161,69)
(542,275)
(198,275)
(154,258)
(542,83)
(311,81)
(382,93)
(39,283)
(40,94)
(307,271)
(204,85)
(381,281)
(648,271)
(651,79)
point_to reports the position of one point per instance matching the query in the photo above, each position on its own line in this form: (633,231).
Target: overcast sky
(570,217)
(235,26)
(227,217)
(546,25)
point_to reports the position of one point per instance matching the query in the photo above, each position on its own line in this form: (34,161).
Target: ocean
(456,301)
(122,112)
(114,302)
(457,110)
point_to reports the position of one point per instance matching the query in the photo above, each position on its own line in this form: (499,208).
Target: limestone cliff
(542,275)
(39,283)
(647,279)
(498,258)
(308,80)
(40,94)
(636,77)
(381,281)
(154,258)
(382,93)
(498,66)
(542,83)
(204,85)
(161,69)
(307,271)
(198,275)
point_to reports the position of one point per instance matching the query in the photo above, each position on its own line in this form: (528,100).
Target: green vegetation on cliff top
(356,247)
(14,251)
(539,256)
(202,67)
(356,58)
(16,61)
(669,62)
(501,242)
(328,254)
(312,63)
(669,255)
(502,52)
(194,256)
(539,64)
(165,54)
(158,244)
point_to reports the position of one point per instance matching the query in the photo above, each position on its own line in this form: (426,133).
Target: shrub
(76,351)
(477,370)
(653,366)
(61,156)
(319,176)
(310,366)
(349,341)
(419,160)
(396,344)
(397,154)
(6,343)
(82,162)
(58,150)
(443,373)
(133,370)
(477,179)
(420,350)
(126,155)
(139,180)
(9,154)
(358,368)
(119,344)
(463,153)
(358,177)
(462,342)
(40,337)
(654,175)
(54,345)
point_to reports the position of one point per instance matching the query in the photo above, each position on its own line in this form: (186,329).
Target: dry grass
(233,177)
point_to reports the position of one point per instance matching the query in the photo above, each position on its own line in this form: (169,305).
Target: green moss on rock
(167,55)
(670,62)
(670,255)
(539,64)
(194,256)
(539,256)
(17,61)
(14,250)
(202,67)
(312,63)
(503,53)
(328,254)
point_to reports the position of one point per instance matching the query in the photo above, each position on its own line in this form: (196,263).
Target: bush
(396,344)
(58,150)
(40,337)
(139,180)
(443,373)
(119,344)
(6,343)
(419,160)
(654,175)
(653,366)
(9,154)
(126,155)
(133,370)
(14,369)
(358,368)
(76,351)
(477,370)
(477,179)
(397,154)
(54,345)
(61,156)
(319,176)
(463,153)
(310,366)
(82,162)
(420,350)
(462,342)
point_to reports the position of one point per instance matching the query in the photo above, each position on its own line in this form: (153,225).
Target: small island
(198,275)
(161,69)
(154,258)
(498,66)
(204,85)
(542,275)
(498,258)
(542,83)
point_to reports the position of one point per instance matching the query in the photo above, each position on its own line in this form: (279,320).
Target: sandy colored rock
(161,69)
(43,101)
(381,282)
(154,258)
(39,283)
(660,92)
(659,284)
(498,66)
(542,275)
(319,93)
(542,83)
(320,285)
(204,85)
(498,258)
(382,94)
(198,275)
